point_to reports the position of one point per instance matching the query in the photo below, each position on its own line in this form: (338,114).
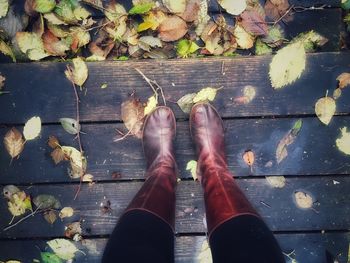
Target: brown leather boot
(223,198)
(157,195)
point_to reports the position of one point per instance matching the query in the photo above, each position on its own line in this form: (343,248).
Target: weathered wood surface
(330,211)
(313,152)
(177,77)
(188,248)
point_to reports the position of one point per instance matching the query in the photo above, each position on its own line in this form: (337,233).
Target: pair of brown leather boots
(223,198)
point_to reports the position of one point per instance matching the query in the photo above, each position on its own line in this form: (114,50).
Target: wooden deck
(314,164)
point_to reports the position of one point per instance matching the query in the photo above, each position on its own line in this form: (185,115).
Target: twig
(77,115)
(22,219)
(286,13)
(223,68)
(123,137)
(79,188)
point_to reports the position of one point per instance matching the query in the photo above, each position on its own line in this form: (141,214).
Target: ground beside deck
(314,165)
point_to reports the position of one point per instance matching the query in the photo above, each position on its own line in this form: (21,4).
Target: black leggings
(143,237)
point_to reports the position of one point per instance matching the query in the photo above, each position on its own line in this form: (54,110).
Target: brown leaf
(2,81)
(191,12)
(58,155)
(97,50)
(254,23)
(172,28)
(53,45)
(275,9)
(132,112)
(50,216)
(29,8)
(249,157)
(53,142)
(344,80)
(73,230)
(14,142)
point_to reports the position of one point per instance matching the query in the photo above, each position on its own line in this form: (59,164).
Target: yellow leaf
(303,200)
(4,7)
(243,38)
(192,167)
(14,142)
(32,128)
(344,80)
(343,143)
(206,94)
(31,44)
(6,50)
(235,7)
(175,6)
(19,203)
(205,254)
(79,73)
(88,178)
(66,212)
(77,161)
(276,181)
(151,105)
(287,65)
(325,109)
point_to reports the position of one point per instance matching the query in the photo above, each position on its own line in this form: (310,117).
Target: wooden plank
(276,206)
(43,89)
(313,153)
(310,248)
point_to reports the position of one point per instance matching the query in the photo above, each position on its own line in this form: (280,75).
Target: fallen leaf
(73,230)
(233,7)
(172,29)
(344,80)
(175,6)
(31,44)
(186,47)
(343,143)
(50,216)
(6,49)
(10,190)
(79,38)
(48,257)
(54,19)
(77,161)
(32,128)
(18,203)
(132,112)
(53,45)
(325,108)
(310,40)
(53,142)
(276,181)
(91,245)
(141,8)
(287,65)
(337,93)
(275,36)
(151,105)
(2,81)
(288,139)
(275,9)
(243,38)
(64,9)
(88,178)
(4,7)
(303,200)
(70,125)
(104,86)
(186,102)
(254,23)
(14,142)
(45,201)
(249,158)
(192,167)
(79,73)
(249,94)
(66,212)
(57,155)
(192,11)
(205,253)
(206,94)
(202,18)
(44,6)
(146,42)
(63,248)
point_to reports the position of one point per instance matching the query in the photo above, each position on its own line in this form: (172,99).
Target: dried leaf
(77,161)
(57,155)
(206,94)
(287,65)
(6,50)
(141,8)
(261,48)
(18,203)
(344,80)
(46,202)
(53,19)
(132,112)
(53,142)
(303,200)
(192,167)
(276,181)
(79,73)
(4,7)
(186,102)
(192,11)
(70,125)
(31,45)
(275,36)
(10,190)
(337,93)
(175,6)
(275,9)
(254,23)
(325,109)
(48,257)
(63,248)
(249,157)
(146,42)
(14,142)
(288,139)
(32,128)
(233,7)
(50,216)
(343,143)
(64,9)
(66,212)
(73,229)
(79,38)
(172,29)
(53,45)
(91,246)
(151,105)
(205,253)
(243,38)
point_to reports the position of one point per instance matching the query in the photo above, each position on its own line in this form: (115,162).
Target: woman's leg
(231,219)
(144,232)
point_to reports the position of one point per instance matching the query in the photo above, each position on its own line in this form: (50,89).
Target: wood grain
(276,205)
(313,152)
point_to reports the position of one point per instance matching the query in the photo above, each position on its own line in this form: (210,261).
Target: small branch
(77,115)
(123,137)
(79,188)
(284,15)
(22,219)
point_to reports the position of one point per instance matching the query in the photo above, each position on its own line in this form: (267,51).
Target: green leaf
(31,45)
(297,126)
(186,47)
(261,48)
(345,4)
(121,58)
(141,8)
(64,9)
(4,7)
(6,50)
(44,6)
(63,248)
(311,40)
(48,257)
(70,125)
(46,202)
